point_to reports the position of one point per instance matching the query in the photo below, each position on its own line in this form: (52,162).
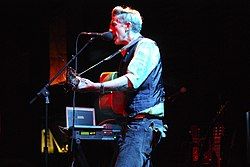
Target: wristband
(102,88)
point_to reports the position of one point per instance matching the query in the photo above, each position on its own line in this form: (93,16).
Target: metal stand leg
(79,158)
(248,136)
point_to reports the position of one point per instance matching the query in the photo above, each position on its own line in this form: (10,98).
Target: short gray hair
(127,14)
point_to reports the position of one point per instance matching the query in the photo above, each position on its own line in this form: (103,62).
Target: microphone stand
(112,55)
(73,112)
(45,93)
(72,146)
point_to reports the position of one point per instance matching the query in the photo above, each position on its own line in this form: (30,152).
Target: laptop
(84,117)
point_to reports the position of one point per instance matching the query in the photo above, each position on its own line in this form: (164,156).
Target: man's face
(119,31)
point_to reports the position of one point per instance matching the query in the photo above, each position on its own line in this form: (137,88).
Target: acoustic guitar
(112,100)
(108,100)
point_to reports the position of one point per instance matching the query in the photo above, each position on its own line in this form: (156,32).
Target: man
(140,78)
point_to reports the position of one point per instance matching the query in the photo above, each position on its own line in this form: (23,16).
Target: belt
(143,116)
(138,117)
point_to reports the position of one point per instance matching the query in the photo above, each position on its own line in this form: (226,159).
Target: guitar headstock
(71,79)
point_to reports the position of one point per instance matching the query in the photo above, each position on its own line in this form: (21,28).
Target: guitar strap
(131,43)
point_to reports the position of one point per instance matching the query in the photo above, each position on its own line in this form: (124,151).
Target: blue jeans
(137,142)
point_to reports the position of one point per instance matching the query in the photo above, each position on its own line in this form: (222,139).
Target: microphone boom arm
(106,59)
(111,56)
(60,71)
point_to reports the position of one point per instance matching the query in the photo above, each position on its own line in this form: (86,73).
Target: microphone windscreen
(107,36)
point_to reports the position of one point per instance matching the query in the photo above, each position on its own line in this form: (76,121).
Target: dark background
(204,45)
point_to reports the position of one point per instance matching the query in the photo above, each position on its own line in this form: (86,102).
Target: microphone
(107,36)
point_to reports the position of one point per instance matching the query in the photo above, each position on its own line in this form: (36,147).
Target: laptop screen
(83,116)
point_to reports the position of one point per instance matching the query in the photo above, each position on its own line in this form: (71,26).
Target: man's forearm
(119,84)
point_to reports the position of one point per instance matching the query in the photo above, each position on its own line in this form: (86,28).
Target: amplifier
(104,132)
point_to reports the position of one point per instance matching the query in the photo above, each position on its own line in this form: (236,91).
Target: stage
(205,48)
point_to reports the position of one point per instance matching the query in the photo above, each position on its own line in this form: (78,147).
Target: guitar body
(112,100)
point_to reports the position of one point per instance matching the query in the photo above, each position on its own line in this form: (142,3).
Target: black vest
(149,93)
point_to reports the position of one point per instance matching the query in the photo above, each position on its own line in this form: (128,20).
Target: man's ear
(128,25)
